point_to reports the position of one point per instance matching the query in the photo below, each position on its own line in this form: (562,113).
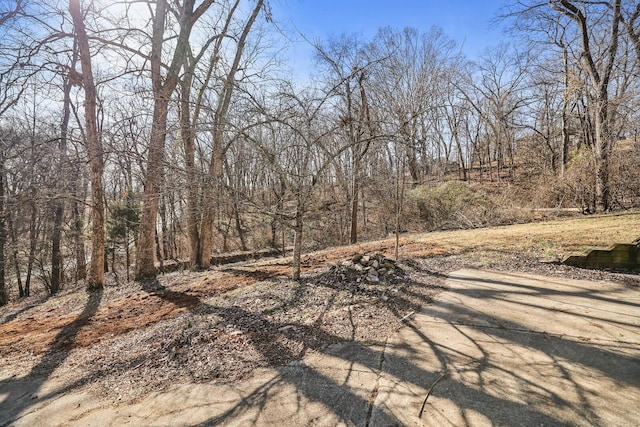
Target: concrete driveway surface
(495,349)
(518,350)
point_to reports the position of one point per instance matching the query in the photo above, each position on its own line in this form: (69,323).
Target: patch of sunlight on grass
(560,236)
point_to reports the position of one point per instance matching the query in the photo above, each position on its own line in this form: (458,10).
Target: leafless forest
(138,134)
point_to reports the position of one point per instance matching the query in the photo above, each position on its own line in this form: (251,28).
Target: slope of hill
(221,324)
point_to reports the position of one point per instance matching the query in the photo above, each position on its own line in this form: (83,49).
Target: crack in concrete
(374,392)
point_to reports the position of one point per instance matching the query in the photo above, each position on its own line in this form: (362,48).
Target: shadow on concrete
(616,361)
(344,403)
(309,383)
(616,366)
(402,361)
(22,393)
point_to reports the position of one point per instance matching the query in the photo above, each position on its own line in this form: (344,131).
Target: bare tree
(406,89)
(9,10)
(500,97)
(163,85)
(347,74)
(56,237)
(216,161)
(7,99)
(4,296)
(299,148)
(94,148)
(600,74)
(631,21)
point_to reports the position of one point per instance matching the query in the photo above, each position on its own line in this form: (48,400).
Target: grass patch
(561,237)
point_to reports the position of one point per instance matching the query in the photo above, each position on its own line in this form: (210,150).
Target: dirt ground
(219,325)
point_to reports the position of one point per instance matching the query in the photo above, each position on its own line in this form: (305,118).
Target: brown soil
(221,324)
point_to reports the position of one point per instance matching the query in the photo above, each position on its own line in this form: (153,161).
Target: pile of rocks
(370,267)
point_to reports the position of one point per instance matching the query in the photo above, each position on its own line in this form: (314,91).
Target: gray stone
(372,276)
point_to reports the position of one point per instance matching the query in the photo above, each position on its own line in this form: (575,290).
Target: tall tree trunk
(195,211)
(58,216)
(219,128)
(14,253)
(565,113)
(365,127)
(77,229)
(163,87)
(353,235)
(166,234)
(33,241)
(94,147)
(56,252)
(127,253)
(355,191)
(188,140)
(4,295)
(400,182)
(601,148)
(207,223)
(297,243)
(462,167)
(145,264)
(600,72)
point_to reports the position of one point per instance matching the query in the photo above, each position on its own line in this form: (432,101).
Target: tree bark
(145,263)
(33,241)
(217,157)
(58,217)
(633,30)
(188,140)
(297,244)
(599,72)
(601,150)
(94,147)
(355,190)
(187,126)
(4,295)
(163,87)
(78,227)
(565,113)
(14,253)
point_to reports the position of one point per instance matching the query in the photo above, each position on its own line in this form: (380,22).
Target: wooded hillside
(137,133)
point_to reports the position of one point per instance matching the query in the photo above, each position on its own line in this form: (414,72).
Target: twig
(424,402)
(402,320)
(407,316)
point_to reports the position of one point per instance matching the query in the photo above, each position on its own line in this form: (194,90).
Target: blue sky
(466,21)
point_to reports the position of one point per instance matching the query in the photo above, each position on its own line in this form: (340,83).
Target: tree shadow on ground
(309,384)
(17,313)
(568,363)
(315,386)
(398,361)
(22,393)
